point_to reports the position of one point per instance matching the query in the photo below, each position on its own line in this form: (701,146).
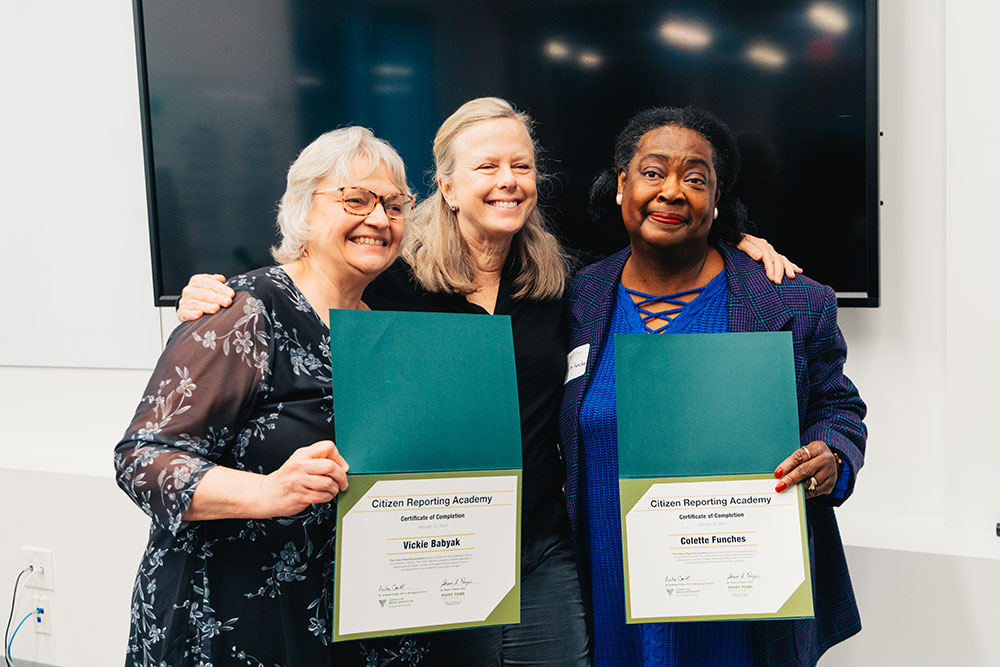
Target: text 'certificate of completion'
(428,533)
(704,534)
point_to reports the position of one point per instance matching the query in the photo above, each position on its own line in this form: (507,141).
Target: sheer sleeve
(200,395)
(835,412)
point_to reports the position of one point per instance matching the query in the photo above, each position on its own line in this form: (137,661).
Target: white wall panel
(921,610)
(65,420)
(76,269)
(972,97)
(96,536)
(922,360)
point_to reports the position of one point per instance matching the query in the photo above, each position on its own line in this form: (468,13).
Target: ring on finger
(808,453)
(812,484)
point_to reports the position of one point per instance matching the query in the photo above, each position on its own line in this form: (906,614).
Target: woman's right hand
(205,293)
(312,474)
(776,265)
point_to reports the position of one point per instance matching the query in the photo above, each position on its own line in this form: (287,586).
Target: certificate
(427,552)
(428,532)
(704,534)
(711,548)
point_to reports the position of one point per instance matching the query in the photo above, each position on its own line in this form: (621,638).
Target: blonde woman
(479,244)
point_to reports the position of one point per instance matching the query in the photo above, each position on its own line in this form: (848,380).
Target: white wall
(71,180)
(79,333)
(925,360)
(77,315)
(920,609)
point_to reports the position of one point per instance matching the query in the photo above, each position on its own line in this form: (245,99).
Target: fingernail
(780,487)
(778,473)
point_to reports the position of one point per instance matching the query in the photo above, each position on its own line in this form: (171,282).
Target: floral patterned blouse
(243,388)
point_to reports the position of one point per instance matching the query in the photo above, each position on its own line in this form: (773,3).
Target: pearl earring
(618,199)
(716,216)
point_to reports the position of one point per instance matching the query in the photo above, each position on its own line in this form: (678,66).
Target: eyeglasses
(362,201)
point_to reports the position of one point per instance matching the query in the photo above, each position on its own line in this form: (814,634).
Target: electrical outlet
(43,615)
(41,560)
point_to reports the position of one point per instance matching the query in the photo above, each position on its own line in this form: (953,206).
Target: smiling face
(669,190)
(493,184)
(358,244)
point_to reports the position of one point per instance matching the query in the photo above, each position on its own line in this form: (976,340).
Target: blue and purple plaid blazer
(830,410)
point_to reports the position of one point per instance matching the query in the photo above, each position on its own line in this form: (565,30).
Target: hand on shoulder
(204,294)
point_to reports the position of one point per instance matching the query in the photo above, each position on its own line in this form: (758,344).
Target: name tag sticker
(577,362)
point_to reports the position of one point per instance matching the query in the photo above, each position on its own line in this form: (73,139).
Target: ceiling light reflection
(828,17)
(556,50)
(590,59)
(686,34)
(766,55)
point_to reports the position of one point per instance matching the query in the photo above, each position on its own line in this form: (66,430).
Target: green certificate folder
(412,392)
(426,414)
(703,421)
(705,404)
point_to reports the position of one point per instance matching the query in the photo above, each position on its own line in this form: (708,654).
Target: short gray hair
(434,247)
(333,153)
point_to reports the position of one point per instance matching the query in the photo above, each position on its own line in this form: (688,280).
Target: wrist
(260,505)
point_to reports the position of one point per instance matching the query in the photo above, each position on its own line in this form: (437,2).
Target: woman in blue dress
(673,181)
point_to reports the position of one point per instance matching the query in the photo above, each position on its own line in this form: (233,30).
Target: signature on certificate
(461,581)
(384,588)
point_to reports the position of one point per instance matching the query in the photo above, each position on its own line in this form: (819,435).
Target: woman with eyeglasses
(479,244)
(229,450)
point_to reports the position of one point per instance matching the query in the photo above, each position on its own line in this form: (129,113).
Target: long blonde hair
(434,248)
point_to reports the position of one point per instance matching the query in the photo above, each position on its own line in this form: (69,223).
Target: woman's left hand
(815,461)
(776,265)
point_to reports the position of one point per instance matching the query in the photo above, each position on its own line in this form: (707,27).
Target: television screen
(233,89)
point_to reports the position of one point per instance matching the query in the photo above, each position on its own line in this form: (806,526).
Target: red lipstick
(667,218)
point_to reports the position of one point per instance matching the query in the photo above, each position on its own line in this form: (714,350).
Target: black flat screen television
(231,90)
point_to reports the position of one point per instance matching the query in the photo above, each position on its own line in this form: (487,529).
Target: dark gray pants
(552,631)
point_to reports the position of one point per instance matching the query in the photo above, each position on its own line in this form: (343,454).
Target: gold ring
(812,484)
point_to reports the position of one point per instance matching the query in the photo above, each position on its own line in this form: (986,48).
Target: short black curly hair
(732,220)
